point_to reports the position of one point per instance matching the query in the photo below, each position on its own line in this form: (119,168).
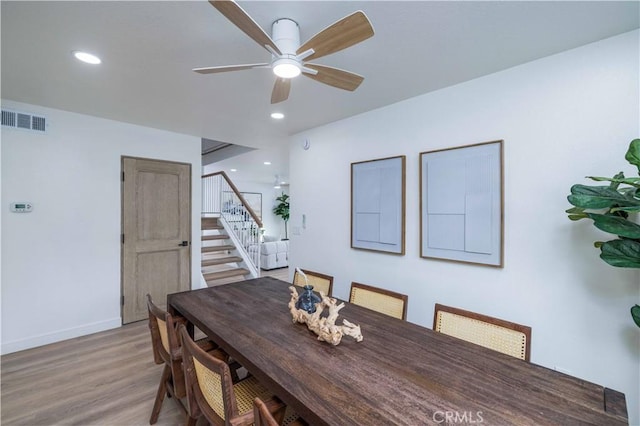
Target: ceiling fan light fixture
(286,68)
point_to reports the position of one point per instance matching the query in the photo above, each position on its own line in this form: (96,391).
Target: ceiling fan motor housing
(286,35)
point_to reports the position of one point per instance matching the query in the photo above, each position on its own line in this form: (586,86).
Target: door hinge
(123,176)
(122,300)
(122,238)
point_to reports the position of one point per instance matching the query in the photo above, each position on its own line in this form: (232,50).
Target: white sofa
(274,254)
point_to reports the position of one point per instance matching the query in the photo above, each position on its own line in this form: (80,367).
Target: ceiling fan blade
(335,77)
(346,32)
(242,20)
(281,90)
(225,68)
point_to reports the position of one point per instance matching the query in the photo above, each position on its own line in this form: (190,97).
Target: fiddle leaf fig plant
(282,210)
(609,207)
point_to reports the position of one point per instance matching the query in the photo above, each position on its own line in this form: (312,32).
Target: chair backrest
(261,414)
(164,339)
(320,282)
(208,381)
(493,333)
(378,299)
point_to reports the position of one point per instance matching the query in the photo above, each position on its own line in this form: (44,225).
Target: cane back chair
(213,393)
(166,350)
(493,333)
(378,299)
(320,282)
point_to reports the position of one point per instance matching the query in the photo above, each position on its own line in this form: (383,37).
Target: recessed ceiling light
(267,163)
(234,170)
(86,57)
(277,115)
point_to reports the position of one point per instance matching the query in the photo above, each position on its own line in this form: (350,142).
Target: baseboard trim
(57,336)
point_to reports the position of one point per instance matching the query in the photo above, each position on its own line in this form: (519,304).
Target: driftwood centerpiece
(324,327)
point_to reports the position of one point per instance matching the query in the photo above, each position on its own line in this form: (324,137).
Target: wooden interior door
(156,233)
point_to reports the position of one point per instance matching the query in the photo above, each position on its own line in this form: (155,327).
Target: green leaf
(598,244)
(615,225)
(625,209)
(617,180)
(633,153)
(621,253)
(574,210)
(576,213)
(635,314)
(599,197)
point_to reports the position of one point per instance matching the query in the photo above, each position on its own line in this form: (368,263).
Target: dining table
(401,373)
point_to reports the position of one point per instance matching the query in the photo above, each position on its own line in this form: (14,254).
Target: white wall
(562,118)
(61,262)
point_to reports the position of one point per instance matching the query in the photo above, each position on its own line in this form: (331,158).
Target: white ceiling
(148,49)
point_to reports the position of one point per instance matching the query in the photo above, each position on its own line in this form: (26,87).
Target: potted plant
(282,210)
(609,207)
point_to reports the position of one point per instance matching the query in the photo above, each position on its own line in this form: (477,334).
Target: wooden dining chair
(378,299)
(211,392)
(262,416)
(493,333)
(320,282)
(167,350)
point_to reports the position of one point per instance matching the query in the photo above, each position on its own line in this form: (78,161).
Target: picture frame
(462,204)
(231,202)
(254,200)
(378,205)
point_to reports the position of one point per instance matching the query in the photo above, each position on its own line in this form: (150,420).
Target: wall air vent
(25,121)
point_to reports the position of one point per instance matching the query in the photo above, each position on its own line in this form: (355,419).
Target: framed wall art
(461,204)
(378,205)
(254,199)
(231,202)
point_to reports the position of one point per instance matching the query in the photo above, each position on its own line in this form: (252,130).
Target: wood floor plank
(106,378)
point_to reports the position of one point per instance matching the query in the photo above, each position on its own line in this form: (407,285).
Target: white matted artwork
(461,208)
(254,200)
(378,205)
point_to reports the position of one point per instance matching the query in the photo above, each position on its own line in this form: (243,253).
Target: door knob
(184,243)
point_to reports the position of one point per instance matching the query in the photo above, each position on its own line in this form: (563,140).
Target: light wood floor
(107,378)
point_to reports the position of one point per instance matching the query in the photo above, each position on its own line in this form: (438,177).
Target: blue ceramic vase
(308,299)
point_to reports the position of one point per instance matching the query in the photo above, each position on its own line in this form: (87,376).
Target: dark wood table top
(401,373)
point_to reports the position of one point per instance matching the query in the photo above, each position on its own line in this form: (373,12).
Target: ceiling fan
(288,57)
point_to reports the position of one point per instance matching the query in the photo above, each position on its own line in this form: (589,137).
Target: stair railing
(221,197)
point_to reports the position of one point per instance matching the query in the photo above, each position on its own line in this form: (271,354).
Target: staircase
(221,263)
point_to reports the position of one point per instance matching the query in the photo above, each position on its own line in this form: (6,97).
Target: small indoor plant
(282,210)
(609,207)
